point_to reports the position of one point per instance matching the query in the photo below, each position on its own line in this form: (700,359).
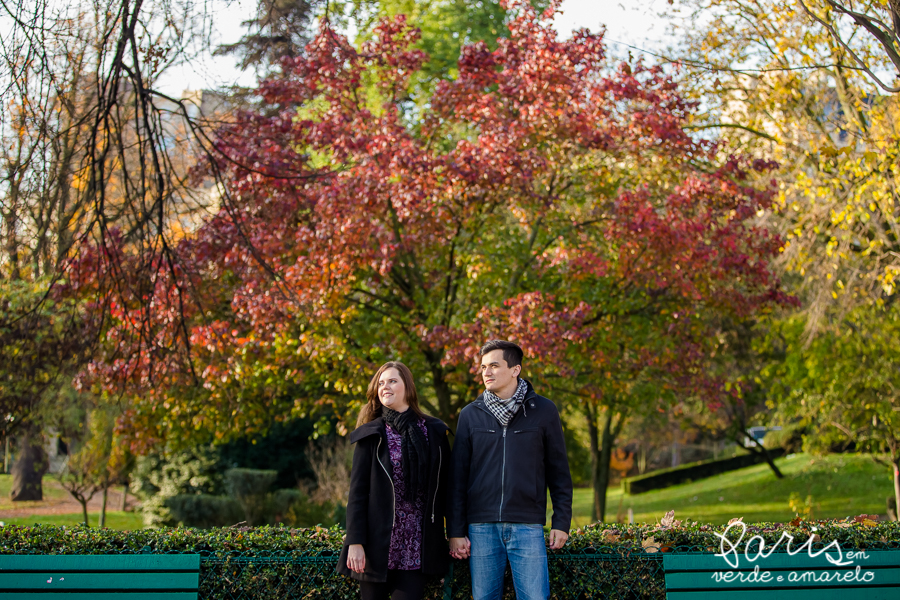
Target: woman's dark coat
(370,508)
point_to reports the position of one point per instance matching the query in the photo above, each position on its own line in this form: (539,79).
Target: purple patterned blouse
(405,553)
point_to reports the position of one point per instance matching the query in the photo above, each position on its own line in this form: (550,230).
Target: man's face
(497,375)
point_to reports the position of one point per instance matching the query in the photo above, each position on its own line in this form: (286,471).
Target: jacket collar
(376,427)
(529,394)
(373,427)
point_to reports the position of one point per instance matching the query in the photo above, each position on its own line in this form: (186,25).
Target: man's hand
(558,539)
(356,558)
(460,547)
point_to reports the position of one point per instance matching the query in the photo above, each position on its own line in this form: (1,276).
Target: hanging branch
(888,37)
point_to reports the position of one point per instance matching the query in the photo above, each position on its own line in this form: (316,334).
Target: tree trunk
(771,463)
(606,447)
(896,465)
(125,496)
(102,523)
(83,501)
(593,433)
(29,468)
(441,390)
(11,219)
(601,454)
(757,448)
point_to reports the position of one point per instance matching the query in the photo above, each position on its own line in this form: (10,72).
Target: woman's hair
(373,406)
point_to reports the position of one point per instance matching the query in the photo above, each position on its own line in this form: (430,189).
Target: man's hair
(512,354)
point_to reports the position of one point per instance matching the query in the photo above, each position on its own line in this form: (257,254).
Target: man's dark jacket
(501,475)
(370,507)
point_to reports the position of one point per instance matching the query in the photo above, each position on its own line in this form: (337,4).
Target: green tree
(445,26)
(841,386)
(280,29)
(43,341)
(97,459)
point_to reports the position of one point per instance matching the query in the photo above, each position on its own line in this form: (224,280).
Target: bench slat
(845,593)
(711,562)
(101,562)
(53,581)
(98,595)
(680,581)
(690,577)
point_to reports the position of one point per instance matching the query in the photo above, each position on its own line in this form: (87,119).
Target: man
(509,450)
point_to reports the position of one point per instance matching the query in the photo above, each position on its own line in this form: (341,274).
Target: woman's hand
(356,558)
(460,547)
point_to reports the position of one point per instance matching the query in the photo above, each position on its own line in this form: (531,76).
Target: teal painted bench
(876,576)
(91,577)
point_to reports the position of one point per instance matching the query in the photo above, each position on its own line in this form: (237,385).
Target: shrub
(201,470)
(251,503)
(250,487)
(629,566)
(702,469)
(282,448)
(305,512)
(204,511)
(856,533)
(158,477)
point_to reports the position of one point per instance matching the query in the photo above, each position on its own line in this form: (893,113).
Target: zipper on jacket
(391,479)
(503,475)
(436,485)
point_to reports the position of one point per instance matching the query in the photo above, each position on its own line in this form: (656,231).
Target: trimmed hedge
(608,560)
(855,533)
(663,478)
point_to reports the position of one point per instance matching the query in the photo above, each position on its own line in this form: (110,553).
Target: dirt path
(56,503)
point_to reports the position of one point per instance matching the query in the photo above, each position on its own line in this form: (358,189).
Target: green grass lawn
(53,491)
(122,521)
(841,485)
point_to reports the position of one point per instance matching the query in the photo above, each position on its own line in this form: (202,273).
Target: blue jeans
(523,544)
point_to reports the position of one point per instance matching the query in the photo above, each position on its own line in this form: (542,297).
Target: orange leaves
(866,520)
(539,197)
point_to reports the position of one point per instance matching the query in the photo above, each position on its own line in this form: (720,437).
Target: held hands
(557,539)
(460,547)
(356,558)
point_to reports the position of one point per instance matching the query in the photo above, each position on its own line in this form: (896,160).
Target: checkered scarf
(505,410)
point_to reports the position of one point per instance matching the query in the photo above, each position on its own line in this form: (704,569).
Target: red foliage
(540,196)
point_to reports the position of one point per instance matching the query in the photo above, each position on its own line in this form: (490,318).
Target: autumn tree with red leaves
(543,196)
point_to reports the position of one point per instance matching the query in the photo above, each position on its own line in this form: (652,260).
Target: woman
(398,484)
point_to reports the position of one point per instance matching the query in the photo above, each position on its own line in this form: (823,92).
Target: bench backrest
(874,576)
(80,577)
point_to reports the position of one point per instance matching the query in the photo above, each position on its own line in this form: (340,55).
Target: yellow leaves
(888,279)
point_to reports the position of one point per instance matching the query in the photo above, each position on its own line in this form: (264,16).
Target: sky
(634,23)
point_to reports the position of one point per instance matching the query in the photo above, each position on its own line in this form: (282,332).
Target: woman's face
(392,391)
